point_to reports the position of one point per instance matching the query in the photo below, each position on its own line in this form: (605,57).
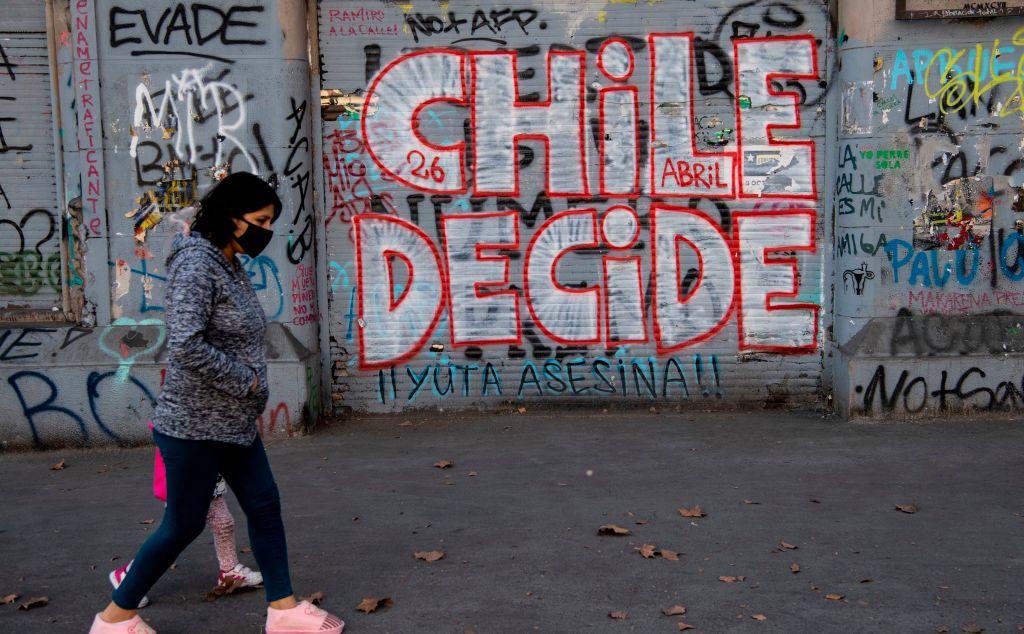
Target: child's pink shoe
(305,618)
(117,576)
(134,625)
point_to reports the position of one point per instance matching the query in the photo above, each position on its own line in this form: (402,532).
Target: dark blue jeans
(192,467)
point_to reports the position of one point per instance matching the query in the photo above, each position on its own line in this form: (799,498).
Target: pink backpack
(159,475)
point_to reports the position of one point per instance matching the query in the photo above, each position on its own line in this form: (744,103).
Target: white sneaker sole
(113,581)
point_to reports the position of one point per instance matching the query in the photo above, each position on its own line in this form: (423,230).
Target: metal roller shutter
(30,230)
(619,318)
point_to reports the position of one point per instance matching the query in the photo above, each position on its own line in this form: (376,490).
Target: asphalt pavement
(798,528)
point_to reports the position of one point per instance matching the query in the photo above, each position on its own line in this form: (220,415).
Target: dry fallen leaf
(750,502)
(149,521)
(444,464)
(430,556)
(696,511)
(731,579)
(521,410)
(786,546)
(684,626)
(834,597)
(759,617)
(612,529)
(942,629)
(471,474)
(794,568)
(675,610)
(647,550)
(221,589)
(971,628)
(372,604)
(10,598)
(671,555)
(34,602)
(867,580)
(907,508)
(314,598)
(59,466)
(618,614)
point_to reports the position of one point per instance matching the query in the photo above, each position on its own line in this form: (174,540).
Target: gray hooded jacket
(215,342)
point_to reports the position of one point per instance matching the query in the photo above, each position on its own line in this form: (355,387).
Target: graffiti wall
(748,202)
(160,100)
(574,201)
(30,228)
(929,208)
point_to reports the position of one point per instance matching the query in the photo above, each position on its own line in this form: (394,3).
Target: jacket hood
(196,246)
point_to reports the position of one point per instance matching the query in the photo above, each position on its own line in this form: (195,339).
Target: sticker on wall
(764,168)
(858,102)
(958,216)
(335,104)
(859,277)
(1018,200)
(173,193)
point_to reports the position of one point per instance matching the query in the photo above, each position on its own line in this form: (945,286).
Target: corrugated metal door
(575,201)
(30,233)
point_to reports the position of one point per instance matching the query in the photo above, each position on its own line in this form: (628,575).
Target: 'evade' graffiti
(701,272)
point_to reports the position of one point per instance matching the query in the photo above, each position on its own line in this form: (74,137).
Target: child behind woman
(233,574)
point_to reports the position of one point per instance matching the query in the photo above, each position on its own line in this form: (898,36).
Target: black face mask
(255,239)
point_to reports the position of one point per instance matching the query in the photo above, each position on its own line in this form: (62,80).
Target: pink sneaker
(117,576)
(305,618)
(134,625)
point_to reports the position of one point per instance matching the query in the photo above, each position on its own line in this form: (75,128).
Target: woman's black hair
(238,194)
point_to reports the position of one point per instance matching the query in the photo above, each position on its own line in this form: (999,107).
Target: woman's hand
(255,385)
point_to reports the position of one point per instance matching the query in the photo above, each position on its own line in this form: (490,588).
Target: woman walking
(205,419)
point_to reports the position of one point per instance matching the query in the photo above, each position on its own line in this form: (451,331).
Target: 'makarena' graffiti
(741,271)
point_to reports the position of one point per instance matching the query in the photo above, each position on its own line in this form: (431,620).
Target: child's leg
(222,525)
(191,477)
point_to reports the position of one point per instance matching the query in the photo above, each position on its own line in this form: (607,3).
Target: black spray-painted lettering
(181,26)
